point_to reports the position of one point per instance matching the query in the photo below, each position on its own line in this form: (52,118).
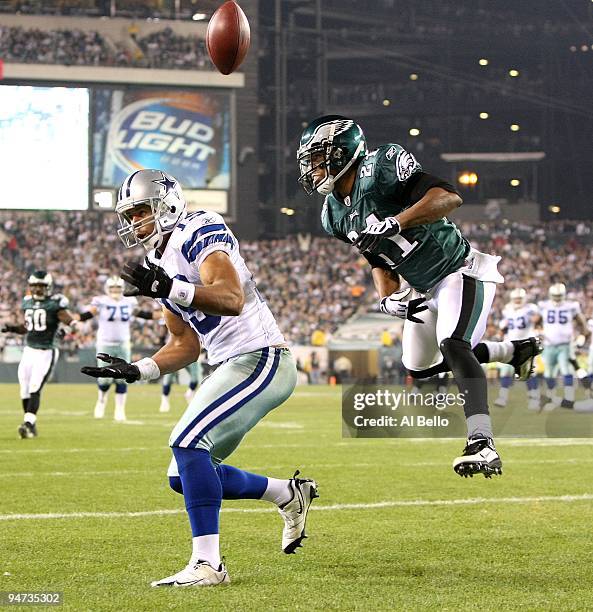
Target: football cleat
(565,403)
(500,402)
(294,512)
(165,405)
(479,457)
(524,356)
(27,430)
(189,395)
(99,412)
(533,404)
(198,573)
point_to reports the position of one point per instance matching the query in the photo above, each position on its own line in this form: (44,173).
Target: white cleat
(189,395)
(500,402)
(533,404)
(99,410)
(119,416)
(200,573)
(479,457)
(294,513)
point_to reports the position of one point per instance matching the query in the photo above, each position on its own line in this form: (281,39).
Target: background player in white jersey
(558,317)
(115,312)
(194,269)
(518,322)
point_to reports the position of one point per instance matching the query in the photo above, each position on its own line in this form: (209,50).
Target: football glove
(396,306)
(117,368)
(152,281)
(372,234)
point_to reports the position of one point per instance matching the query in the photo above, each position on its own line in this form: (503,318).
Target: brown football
(228,37)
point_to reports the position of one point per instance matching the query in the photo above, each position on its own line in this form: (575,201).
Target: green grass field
(86,509)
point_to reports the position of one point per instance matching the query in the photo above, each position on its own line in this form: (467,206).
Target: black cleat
(524,356)
(27,430)
(479,457)
(566,404)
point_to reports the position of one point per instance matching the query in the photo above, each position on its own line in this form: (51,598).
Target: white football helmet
(114,287)
(40,284)
(518,296)
(557,292)
(162,193)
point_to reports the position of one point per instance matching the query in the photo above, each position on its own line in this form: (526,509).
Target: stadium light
(468,178)
(515,182)
(199,16)
(513,72)
(484,115)
(414,132)
(483,62)
(413,77)
(386,102)
(287,211)
(554,209)
(515,127)
(584,48)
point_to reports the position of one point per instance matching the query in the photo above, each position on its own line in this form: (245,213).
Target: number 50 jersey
(41,320)
(115,317)
(389,180)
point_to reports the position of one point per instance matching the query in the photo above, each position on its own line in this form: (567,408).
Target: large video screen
(185,133)
(44,147)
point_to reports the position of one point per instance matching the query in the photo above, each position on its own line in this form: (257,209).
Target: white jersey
(558,321)
(518,320)
(196,237)
(115,317)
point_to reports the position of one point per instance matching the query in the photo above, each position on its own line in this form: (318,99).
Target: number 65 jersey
(557,320)
(194,238)
(115,317)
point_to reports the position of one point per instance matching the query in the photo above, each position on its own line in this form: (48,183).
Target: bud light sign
(186,134)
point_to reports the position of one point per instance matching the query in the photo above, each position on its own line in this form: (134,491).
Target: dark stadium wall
(246,224)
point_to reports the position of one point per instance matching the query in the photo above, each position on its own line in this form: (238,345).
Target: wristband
(148,368)
(182,292)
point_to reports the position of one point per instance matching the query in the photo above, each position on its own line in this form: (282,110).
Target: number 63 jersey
(389,180)
(196,237)
(114,317)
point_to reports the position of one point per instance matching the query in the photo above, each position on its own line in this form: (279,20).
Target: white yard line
(318,508)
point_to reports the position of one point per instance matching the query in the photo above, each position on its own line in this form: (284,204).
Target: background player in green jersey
(43,312)
(424,270)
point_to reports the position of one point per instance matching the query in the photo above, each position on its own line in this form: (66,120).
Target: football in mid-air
(228,37)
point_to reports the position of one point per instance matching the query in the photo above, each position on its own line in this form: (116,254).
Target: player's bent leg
(165,392)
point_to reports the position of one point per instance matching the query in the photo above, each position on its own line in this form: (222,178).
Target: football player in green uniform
(424,270)
(43,312)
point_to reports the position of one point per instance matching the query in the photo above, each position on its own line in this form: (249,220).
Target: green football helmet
(333,143)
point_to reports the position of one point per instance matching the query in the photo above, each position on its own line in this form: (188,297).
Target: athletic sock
(30,418)
(202,491)
(238,484)
(278,491)
(500,351)
(25,401)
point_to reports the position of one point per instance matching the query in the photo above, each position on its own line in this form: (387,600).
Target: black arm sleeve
(85,316)
(418,184)
(143,314)
(375,261)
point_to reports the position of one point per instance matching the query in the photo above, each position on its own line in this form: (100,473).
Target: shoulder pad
(326,220)
(62,300)
(393,167)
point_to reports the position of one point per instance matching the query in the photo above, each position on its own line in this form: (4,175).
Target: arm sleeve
(85,316)
(143,314)
(419,183)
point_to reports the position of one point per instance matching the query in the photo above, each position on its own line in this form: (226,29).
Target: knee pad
(121,387)
(455,345)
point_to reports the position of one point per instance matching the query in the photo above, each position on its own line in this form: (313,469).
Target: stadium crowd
(161,49)
(312,284)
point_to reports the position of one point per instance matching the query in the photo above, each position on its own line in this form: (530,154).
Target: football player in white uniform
(518,322)
(195,270)
(194,372)
(115,312)
(558,317)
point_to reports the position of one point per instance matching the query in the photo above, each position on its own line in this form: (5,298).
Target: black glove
(10,329)
(152,282)
(372,234)
(117,368)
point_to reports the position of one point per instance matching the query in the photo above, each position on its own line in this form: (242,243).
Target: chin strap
(327,186)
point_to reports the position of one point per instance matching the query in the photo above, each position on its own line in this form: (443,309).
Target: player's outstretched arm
(8,328)
(434,205)
(88,314)
(182,348)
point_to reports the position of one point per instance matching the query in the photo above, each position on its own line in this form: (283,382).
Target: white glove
(397,305)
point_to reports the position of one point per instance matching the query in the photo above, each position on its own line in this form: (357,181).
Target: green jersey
(387,182)
(41,320)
